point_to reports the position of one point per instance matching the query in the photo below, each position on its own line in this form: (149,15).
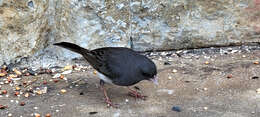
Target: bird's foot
(136,95)
(110,104)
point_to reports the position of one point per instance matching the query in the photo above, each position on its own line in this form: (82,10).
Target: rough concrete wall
(29,27)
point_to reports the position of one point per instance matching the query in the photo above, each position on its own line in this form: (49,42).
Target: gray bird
(117,65)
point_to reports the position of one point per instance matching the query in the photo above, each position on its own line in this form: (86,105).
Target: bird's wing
(103,63)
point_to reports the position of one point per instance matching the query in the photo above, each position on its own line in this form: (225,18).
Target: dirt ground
(200,83)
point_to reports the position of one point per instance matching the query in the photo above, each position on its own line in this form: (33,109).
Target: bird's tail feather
(72,47)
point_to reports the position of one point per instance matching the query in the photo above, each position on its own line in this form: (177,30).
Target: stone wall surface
(28,28)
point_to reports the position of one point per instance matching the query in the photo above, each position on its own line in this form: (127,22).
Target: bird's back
(120,64)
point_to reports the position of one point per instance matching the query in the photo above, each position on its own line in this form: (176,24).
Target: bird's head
(149,72)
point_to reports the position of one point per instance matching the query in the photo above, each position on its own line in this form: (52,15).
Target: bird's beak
(155,80)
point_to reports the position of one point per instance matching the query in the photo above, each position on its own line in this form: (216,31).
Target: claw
(136,94)
(110,104)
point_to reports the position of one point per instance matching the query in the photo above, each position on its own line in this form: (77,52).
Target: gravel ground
(212,82)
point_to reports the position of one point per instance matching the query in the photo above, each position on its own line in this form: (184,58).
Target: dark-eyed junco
(117,65)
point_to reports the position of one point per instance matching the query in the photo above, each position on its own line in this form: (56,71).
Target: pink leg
(136,94)
(107,99)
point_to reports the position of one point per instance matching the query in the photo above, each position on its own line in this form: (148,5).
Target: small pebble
(256,62)
(176,108)
(35,108)
(22,103)
(126,100)
(32,72)
(255,77)
(229,76)
(170,77)
(205,89)
(10,115)
(206,62)
(244,56)
(174,71)
(258,90)
(205,108)
(92,113)
(167,63)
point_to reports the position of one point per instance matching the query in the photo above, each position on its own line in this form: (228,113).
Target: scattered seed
(205,89)
(206,62)
(4,92)
(48,115)
(68,67)
(95,72)
(63,91)
(37,115)
(44,82)
(17,72)
(229,76)
(3,106)
(244,56)
(39,92)
(17,88)
(92,113)
(56,80)
(26,95)
(16,93)
(2,74)
(24,82)
(22,103)
(176,108)
(205,108)
(67,72)
(13,76)
(258,90)
(56,76)
(9,115)
(61,76)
